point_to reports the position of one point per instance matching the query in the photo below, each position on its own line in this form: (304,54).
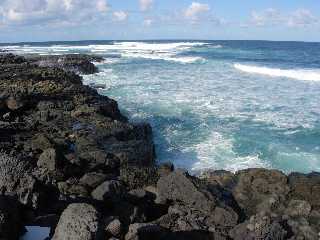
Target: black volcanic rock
(81,64)
(67,153)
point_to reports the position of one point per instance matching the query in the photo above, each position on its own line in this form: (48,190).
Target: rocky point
(69,160)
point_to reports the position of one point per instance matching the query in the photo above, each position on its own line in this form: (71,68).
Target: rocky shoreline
(69,160)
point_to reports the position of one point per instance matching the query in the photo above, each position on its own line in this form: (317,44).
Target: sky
(68,20)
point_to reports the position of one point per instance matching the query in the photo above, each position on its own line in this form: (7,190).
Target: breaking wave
(299,74)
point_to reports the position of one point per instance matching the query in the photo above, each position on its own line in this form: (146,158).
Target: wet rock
(79,222)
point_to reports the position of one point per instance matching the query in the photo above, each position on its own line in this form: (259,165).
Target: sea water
(213,104)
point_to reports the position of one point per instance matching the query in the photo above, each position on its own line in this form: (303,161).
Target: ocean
(213,104)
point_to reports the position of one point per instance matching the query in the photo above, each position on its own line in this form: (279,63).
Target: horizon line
(148,40)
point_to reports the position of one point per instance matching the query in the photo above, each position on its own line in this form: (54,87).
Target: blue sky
(46,20)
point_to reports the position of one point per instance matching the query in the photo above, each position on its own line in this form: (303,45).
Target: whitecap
(216,152)
(299,74)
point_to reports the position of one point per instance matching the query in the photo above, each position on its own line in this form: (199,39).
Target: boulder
(79,221)
(180,187)
(306,187)
(108,190)
(16,180)
(92,179)
(260,227)
(48,159)
(298,208)
(255,186)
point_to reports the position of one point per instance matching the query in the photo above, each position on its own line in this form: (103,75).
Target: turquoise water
(215,105)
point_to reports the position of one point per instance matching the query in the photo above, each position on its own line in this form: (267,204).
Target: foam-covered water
(215,104)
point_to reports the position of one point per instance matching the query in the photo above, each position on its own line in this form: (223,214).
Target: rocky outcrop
(76,63)
(71,161)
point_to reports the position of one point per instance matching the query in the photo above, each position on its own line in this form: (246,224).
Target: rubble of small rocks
(69,160)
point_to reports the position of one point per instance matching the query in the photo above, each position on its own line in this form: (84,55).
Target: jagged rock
(108,190)
(179,186)
(48,159)
(138,177)
(93,179)
(298,208)
(144,231)
(79,222)
(41,142)
(74,63)
(254,186)
(301,229)
(259,227)
(224,178)
(306,187)
(15,179)
(165,169)
(73,189)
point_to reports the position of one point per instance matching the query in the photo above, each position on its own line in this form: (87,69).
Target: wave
(163,56)
(149,50)
(217,152)
(216,46)
(299,74)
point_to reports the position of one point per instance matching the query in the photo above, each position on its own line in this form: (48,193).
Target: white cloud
(120,16)
(102,6)
(147,22)
(195,10)
(145,5)
(269,16)
(301,18)
(41,12)
(273,17)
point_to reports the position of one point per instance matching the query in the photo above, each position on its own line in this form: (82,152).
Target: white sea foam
(216,152)
(162,56)
(299,74)
(147,50)
(216,46)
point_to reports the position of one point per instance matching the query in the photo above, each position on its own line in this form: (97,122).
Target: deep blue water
(214,104)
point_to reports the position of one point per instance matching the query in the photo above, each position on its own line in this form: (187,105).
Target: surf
(298,74)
